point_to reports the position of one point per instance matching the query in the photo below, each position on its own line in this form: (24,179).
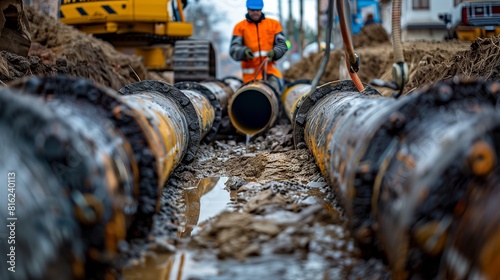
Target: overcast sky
(235,11)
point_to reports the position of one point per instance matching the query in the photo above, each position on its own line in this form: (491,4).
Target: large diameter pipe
(211,100)
(54,203)
(94,151)
(292,96)
(222,89)
(38,214)
(474,244)
(233,83)
(387,160)
(111,153)
(188,112)
(423,185)
(253,108)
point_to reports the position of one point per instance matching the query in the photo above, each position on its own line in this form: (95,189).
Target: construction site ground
(256,209)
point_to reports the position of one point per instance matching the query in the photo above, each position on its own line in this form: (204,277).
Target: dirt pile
(259,166)
(480,61)
(14,33)
(241,235)
(371,34)
(428,62)
(60,49)
(373,61)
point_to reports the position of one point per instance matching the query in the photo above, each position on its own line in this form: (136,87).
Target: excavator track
(194,60)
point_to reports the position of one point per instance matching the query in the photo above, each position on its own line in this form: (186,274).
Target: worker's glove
(270,54)
(249,54)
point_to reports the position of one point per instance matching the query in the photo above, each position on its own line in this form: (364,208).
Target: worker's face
(254,14)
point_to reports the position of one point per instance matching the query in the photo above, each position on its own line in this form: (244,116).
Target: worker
(256,38)
(369,19)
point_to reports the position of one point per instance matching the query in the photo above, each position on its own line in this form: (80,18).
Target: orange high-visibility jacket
(260,37)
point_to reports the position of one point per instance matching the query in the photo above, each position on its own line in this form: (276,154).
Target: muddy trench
(256,210)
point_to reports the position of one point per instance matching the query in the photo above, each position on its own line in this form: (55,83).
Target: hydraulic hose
(346,32)
(396,31)
(326,56)
(400,71)
(402,167)
(352,59)
(180,8)
(109,155)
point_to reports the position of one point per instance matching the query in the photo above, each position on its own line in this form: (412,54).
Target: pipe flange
(182,101)
(100,96)
(234,83)
(212,98)
(310,100)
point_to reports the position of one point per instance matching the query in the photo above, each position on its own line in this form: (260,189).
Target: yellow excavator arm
(155,17)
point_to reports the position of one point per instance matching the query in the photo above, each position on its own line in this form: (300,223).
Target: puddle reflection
(203,202)
(169,267)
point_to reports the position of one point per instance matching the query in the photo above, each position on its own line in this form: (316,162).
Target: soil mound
(480,61)
(371,34)
(428,62)
(372,62)
(60,49)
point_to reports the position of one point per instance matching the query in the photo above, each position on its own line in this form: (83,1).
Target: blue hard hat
(255,4)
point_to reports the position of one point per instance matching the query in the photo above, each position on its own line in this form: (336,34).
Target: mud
(280,219)
(61,49)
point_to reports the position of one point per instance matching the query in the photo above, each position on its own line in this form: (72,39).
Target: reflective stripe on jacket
(261,37)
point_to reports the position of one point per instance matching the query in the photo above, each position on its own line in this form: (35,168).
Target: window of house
(420,4)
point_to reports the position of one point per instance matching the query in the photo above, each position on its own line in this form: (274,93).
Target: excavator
(155,30)
(471,19)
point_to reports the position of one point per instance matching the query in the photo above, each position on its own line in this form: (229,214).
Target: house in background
(419,19)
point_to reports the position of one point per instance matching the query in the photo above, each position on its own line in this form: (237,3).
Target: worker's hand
(270,54)
(248,54)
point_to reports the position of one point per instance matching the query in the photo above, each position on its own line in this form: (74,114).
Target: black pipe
(400,167)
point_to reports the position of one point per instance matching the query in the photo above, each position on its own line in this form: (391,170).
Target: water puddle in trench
(204,201)
(317,250)
(169,267)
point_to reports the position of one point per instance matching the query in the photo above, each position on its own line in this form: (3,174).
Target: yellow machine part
(470,33)
(156,57)
(124,16)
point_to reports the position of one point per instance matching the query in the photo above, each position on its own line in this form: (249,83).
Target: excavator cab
(154,30)
(155,18)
